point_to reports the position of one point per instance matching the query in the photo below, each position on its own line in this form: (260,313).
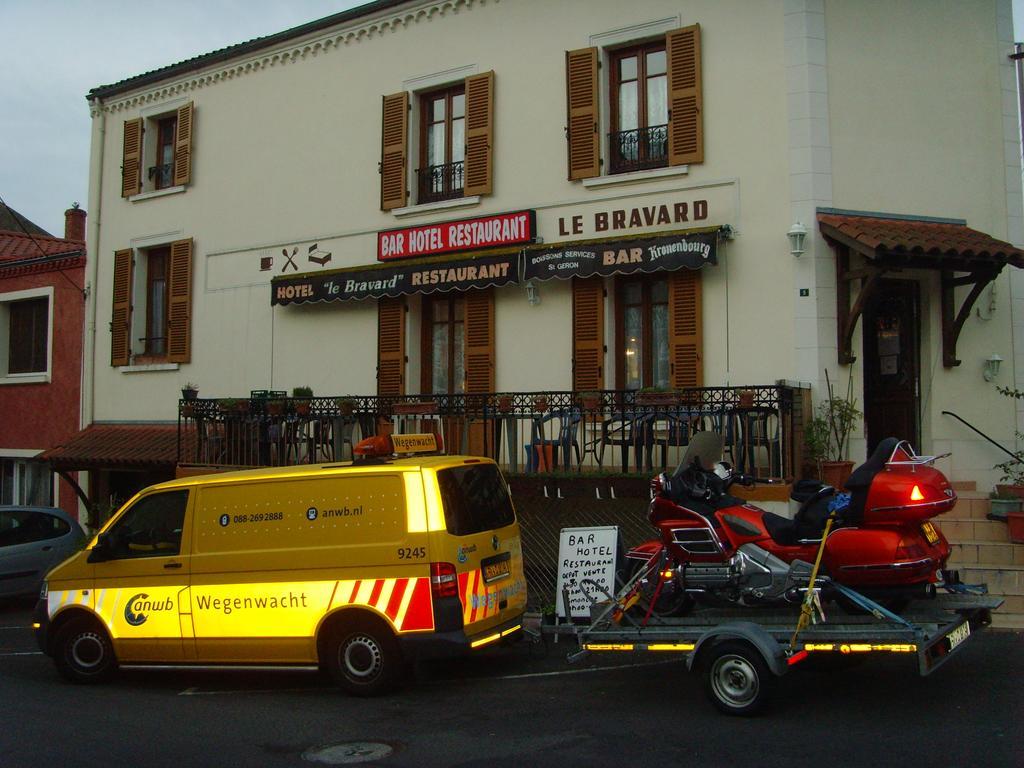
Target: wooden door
(892,363)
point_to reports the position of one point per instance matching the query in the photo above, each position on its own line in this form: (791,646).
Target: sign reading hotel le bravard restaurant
(455,236)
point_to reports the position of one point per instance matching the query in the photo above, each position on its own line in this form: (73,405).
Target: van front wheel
(83,652)
(364,658)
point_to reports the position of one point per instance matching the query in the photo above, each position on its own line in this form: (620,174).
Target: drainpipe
(96,160)
(87,404)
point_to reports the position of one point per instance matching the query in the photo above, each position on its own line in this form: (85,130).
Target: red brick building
(41,315)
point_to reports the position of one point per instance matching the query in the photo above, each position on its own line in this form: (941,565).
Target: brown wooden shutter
(179,303)
(686,351)
(588,334)
(183,146)
(390,347)
(121,317)
(685,102)
(394,141)
(479,134)
(582,114)
(131,159)
(479,325)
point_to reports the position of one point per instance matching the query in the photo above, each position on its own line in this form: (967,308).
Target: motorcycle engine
(752,575)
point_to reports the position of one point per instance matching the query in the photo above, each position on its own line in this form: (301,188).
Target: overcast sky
(52,52)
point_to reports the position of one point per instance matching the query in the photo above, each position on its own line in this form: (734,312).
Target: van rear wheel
(83,652)
(364,658)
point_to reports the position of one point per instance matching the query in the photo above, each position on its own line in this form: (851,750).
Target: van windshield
(475,499)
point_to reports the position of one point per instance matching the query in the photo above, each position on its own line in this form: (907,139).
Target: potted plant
(505,403)
(275,407)
(589,401)
(233,405)
(540,403)
(657,396)
(346,406)
(1002,503)
(302,396)
(746,398)
(839,414)
(189,392)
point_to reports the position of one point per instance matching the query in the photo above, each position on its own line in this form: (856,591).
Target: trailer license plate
(959,634)
(930,533)
(498,567)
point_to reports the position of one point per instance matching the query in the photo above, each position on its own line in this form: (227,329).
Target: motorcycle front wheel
(672,600)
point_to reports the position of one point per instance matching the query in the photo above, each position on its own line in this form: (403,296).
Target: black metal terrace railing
(612,431)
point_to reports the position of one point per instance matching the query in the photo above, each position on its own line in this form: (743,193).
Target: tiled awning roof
(927,243)
(117,446)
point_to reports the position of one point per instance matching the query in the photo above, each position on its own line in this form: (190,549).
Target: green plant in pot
(302,396)
(1001,503)
(828,435)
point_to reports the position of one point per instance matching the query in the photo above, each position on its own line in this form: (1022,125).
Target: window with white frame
(26,319)
(25,482)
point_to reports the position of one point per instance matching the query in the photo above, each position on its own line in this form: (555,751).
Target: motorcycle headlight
(44,593)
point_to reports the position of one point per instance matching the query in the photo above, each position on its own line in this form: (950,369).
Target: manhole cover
(348,753)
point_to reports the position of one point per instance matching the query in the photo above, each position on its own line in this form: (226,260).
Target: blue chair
(566,441)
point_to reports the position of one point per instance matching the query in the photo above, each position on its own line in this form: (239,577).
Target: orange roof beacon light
(380,446)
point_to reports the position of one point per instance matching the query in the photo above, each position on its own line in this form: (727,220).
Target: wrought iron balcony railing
(618,431)
(639,149)
(162,174)
(440,182)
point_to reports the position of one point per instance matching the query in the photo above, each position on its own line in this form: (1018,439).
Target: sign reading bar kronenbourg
(455,236)
(621,257)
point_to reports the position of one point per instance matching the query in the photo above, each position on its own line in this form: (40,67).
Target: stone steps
(982,552)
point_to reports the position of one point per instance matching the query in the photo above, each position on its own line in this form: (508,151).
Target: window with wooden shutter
(131,159)
(390,347)
(588,334)
(686,366)
(394,143)
(479,341)
(121,316)
(183,145)
(685,125)
(479,134)
(582,113)
(179,301)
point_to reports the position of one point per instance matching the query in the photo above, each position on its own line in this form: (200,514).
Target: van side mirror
(102,551)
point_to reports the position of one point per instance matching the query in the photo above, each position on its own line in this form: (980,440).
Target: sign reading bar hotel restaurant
(691,250)
(373,281)
(455,236)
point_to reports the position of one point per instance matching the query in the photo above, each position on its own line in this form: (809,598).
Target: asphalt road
(522,705)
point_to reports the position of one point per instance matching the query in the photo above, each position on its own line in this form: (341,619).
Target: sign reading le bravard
(455,236)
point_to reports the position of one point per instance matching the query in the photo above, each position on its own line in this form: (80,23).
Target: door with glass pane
(443,145)
(642,308)
(639,101)
(444,351)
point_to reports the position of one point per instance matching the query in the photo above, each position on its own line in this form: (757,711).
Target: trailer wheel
(364,658)
(737,679)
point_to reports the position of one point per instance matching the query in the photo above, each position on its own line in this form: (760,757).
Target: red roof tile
(18,245)
(910,236)
(117,445)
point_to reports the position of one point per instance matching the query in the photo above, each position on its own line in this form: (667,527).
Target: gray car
(32,541)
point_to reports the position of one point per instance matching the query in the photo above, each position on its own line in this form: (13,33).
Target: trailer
(743,653)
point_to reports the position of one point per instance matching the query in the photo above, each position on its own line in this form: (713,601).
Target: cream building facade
(614,126)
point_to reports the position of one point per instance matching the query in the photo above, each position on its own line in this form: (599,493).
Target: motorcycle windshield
(705,447)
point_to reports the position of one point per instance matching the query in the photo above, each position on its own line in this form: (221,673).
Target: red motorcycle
(718,549)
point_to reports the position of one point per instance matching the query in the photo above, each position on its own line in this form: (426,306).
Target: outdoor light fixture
(991,369)
(532,293)
(796,236)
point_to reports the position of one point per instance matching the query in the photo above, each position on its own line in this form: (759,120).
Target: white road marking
(23,653)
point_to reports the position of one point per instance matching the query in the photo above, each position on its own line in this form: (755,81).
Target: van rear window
(475,499)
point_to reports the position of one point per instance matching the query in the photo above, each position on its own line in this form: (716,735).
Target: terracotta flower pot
(1010,490)
(836,473)
(1015,526)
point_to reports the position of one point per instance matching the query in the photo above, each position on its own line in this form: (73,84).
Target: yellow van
(357,567)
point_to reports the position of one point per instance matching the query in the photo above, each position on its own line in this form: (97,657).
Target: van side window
(151,528)
(475,499)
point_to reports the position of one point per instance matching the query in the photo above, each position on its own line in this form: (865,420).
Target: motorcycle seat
(808,524)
